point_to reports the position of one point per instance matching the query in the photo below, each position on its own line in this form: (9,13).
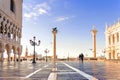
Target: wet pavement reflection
(101,70)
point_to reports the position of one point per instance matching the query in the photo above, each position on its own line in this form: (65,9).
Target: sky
(74,20)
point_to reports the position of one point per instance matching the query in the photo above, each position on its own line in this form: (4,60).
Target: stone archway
(15,52)
(8,49)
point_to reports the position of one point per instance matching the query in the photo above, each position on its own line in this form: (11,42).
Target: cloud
(42,11)
(59,19)
(32,11)
(63,18)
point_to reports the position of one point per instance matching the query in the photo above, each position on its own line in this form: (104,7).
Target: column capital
(94,32)
(54,30)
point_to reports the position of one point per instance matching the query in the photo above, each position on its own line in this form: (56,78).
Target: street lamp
(68,57)
(33,43)
(46,51)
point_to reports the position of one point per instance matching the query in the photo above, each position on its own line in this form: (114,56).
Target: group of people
(81,57)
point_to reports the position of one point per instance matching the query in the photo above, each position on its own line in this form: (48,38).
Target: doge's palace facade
(112,33)
(10,28)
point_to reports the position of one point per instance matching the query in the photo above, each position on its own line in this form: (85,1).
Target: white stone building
(112,33)
(10,28)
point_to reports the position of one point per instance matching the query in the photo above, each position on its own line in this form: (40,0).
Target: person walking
(81,57)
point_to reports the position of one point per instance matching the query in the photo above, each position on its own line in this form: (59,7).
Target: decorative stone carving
(1,19)
(112,42)
(9,30)
(4,24)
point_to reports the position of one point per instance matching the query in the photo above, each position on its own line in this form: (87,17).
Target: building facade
(112,33)
(10,28)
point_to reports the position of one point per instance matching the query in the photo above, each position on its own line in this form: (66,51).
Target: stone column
(8,53)
(15,52)
(1,52)
(1,56)
(94,32)
(19,53)
(14,57)
(54,45)
(19,57)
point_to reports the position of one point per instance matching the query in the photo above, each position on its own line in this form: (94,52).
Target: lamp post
(94,32)
(68,57)
(46,51)
(33,43)
(54,31)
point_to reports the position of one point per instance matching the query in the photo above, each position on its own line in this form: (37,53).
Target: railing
(7,39)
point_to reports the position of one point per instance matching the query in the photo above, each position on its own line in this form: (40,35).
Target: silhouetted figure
(81,56)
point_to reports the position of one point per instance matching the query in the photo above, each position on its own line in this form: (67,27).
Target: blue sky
(74,20)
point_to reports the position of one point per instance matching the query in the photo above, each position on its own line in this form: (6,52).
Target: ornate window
(12,6)
(117,37)
(109,40)
(113,38)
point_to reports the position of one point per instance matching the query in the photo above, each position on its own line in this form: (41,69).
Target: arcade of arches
(10,37)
